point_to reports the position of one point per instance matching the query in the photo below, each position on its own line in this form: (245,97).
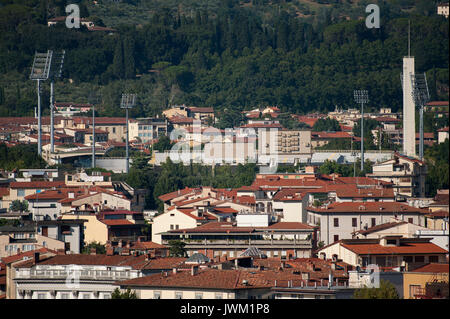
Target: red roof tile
(433,268)
(404,248)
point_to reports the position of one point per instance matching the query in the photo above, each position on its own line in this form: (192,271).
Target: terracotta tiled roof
(175,194)
(202,109)
(116,222)
(246,200)
(147,245)
(138,262)
(368,207)
(262,125)
(433,268)
(29,254)
(330,135)
(438,214)
(437,103)
(379,227)
(207,278)
(404,248)
(37,184)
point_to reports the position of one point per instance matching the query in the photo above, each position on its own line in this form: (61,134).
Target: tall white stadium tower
(409,110)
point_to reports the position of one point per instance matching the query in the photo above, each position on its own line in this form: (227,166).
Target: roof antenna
(409,38)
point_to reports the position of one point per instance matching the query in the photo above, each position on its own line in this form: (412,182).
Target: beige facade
(176,111)
(407,175)
(94,230)
(414,282)
(172,219)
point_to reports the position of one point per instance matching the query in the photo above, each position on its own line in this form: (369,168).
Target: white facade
(252,220)
(70,281)
(337,226)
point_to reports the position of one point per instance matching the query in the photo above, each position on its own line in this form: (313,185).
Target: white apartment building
(339,220)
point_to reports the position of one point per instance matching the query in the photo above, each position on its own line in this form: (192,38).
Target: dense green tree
(128,294)
(327,124)
(385,291)
(176,248)
(99,248)
(19,206)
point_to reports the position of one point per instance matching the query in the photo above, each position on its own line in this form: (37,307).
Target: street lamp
(361,97)
(128,101)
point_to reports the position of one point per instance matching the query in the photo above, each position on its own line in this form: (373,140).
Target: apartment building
(284,240)
(338,221)
(146,129)
(392,252)
(405,173)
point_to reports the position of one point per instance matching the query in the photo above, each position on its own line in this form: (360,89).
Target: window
(336,238)
(410,220)
(317,296)
(107,296)
(198,295)
(336,222)
(433,259)
(419,259)
(373,221)
(157,295)
(177,226)
(41,296)
(408,259)
(114,130)
(414,290)
(65,296)
(219,295)
(354,222)
(86,296)
(178,295)
(20,192)
(171,227)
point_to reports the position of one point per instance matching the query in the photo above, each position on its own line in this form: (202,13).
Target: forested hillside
(225,54)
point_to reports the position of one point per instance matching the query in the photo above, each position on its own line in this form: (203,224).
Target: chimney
(194,270)
(174,270)
(109,251)
(36,257)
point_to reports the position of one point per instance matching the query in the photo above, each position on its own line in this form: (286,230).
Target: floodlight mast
(421,95)
(92,99)
(128,101)
(55,72)
(361,97)
(40,71)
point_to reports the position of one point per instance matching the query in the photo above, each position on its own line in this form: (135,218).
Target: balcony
(83,274)
(232,243)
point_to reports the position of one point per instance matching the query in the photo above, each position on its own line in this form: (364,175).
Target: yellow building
(429,282)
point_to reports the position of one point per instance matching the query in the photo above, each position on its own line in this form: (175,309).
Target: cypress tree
(118,64)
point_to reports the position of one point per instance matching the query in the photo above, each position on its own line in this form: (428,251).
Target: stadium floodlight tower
(361,97)
(421,96)
(55,73)
(128,101)
(93,99)
(40,71)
